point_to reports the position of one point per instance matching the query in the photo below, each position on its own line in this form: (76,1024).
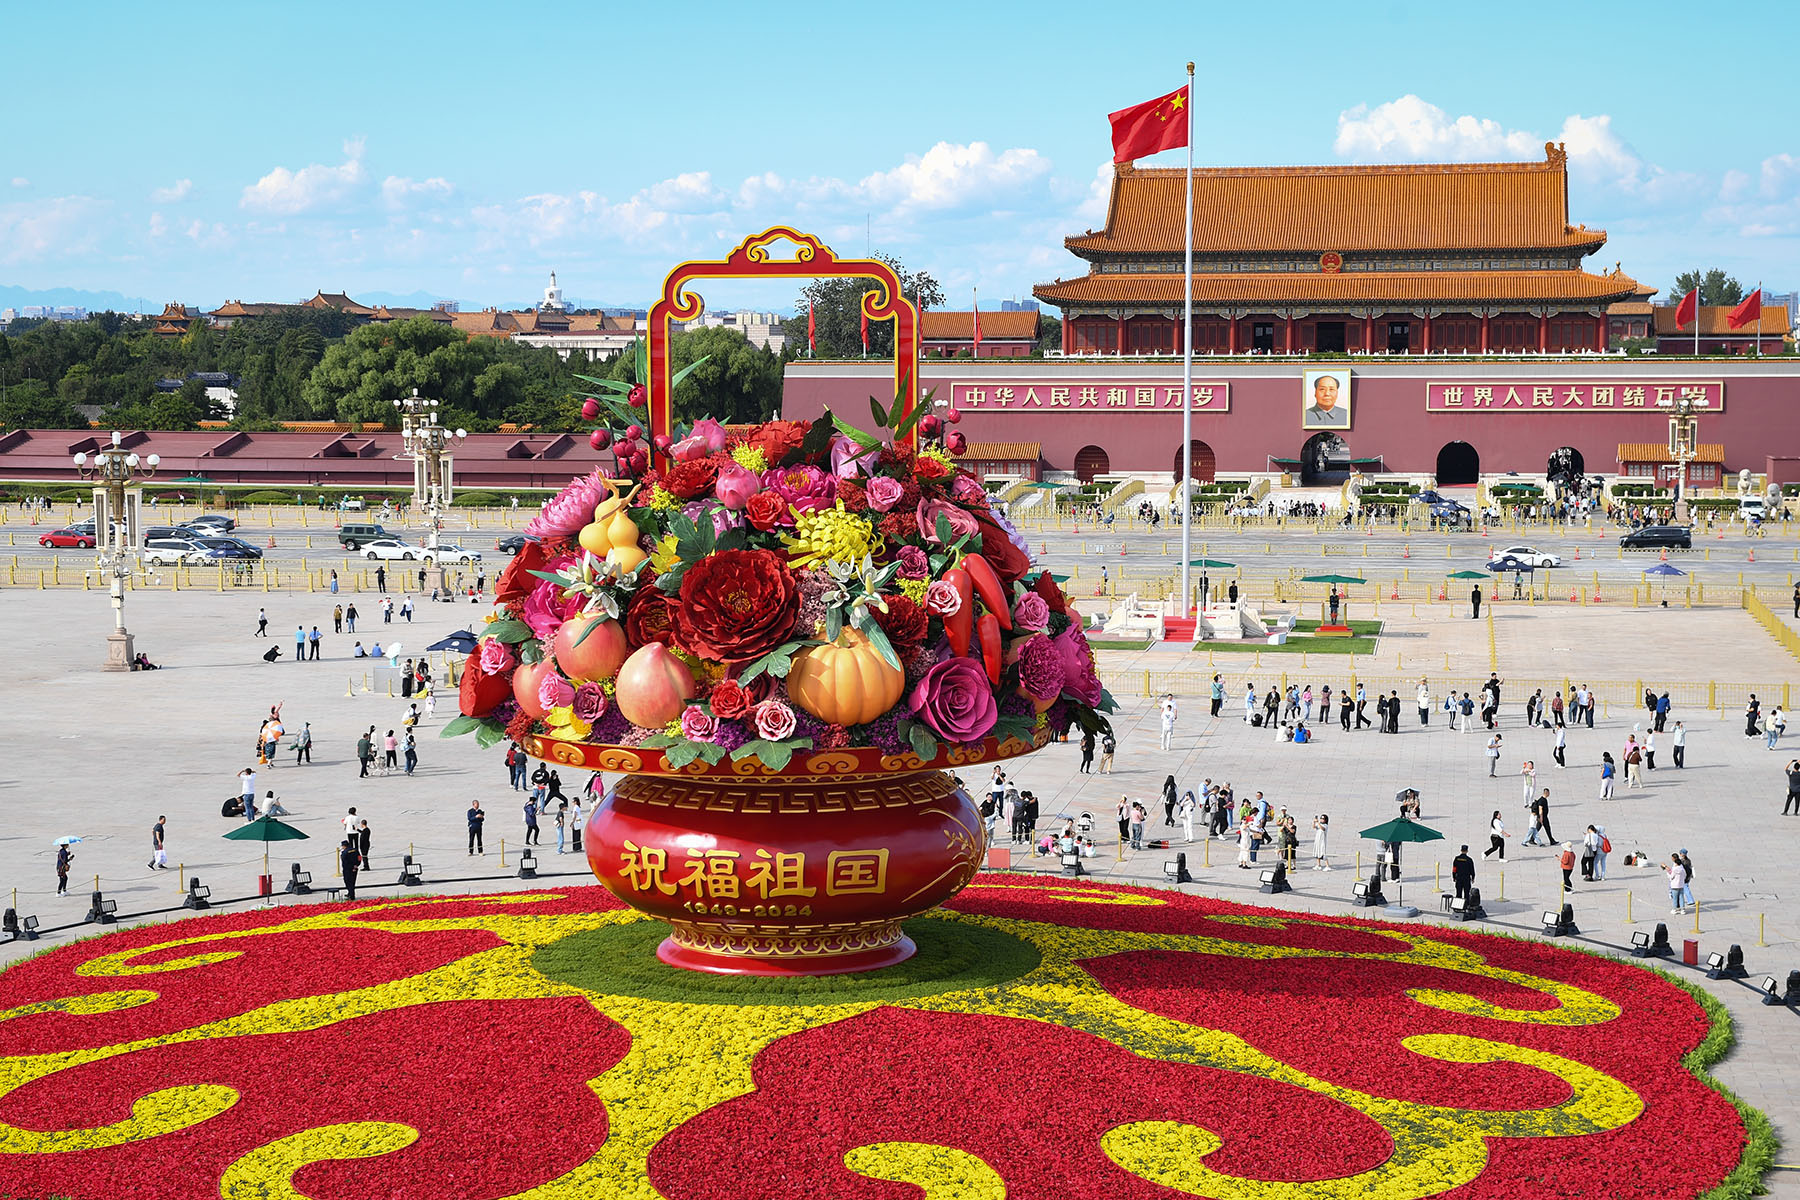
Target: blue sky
(260,152)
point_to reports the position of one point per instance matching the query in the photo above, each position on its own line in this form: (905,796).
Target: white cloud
(689,192)
(19,181)
(949,175)
(1769,208)
(398,190)
(1092,208)
(1410,129)
(178,190)
(65,225)
(159,227)
(210,236)
(287,192)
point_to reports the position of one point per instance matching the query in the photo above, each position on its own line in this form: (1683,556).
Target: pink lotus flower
(847,458)
(495,657)
(569,510)
(773,720)
(884,493)
(707,437)
(736,485)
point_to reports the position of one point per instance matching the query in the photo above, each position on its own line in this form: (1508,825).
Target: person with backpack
(531,822)
(1108,744)
(1608,772)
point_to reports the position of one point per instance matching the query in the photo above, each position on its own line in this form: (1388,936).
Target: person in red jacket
(1567,863)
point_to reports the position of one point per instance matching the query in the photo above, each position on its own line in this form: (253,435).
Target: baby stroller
(1085,822)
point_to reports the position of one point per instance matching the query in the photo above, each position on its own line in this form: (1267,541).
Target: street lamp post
(432,449)
(117,504)
(1684,441)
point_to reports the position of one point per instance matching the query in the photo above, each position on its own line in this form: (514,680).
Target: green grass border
(1363,642)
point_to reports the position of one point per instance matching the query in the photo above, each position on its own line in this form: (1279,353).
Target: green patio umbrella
(1468,575)
(1333,579)
(202,480)
(1211,564)
(1402,829)
(266,830)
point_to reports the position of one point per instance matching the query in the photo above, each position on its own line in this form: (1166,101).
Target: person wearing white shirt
(1424,703)
(1168,722)
(1680,747)
(350,819)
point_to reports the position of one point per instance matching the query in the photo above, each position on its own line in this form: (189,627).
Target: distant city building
(1787,300)
(221,388)
(760,329)
(38,312)
(1019,306)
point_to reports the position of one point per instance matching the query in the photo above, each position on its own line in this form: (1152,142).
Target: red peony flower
(517,581)
(729,700)
(766,510)
(1045,586)
(651,617)
(778,439)
(930,468)
(737,605)
(479,692)
(904,622)
(692,479)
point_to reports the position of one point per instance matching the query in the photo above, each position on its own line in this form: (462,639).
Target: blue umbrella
(1663,568)
(462,641)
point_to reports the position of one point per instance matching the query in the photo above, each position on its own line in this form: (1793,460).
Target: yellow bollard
(350,689)
(180,886)
(1628,918)
(1696,916)
(1502,895)
(1206,851)
(1358,875)
(1437,875)
(1759,929)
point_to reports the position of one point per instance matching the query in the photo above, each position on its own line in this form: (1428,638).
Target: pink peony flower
(964,488)
(696,726)
(590,702)
(773,720)
(884,493)
(1040,667)
(736,485)
(807,489)
(496,657)
(546,608)
(1079,678)
(1030,612)
(943,599)
(961,523)
(554,691)
(956,701)
(564,514)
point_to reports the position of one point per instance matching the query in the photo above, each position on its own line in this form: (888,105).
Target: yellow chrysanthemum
(913,589)
(565,724)
(662,499)
(829,536)
(751,458)
(664,556)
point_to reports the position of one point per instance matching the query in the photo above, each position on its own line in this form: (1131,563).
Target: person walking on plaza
(1493,755)
(1138,816)
(1561,744)
(363,837)
(1170,799)
(1587,705)
(1556,708)
(1677,884)
(390,746)
(531,822)
(1321,828)
(1528,776)
(365,752)
(64,858)
(1540,811)
(299,643)
(334,581)
(1797,601)
(1423,698)
(1678,752)
(1393,725)
(1566,860)
(350,618)
(1687,882)
(1776,725)
(1634,762)
(1345,705)
(1475,603)
(410,752)
(303,745)
(1124,819)
(1087,752)
(1362,700)
(1462,873)
(476,819)
(1608,774)
(1793,788)
(1650,751)
(1590,856)
(1185,810)
(159,857)
(312,644)
(387,610)
(1496,838)
(1662,711)
(562,820)
(1752,714)
(381,579)
(1465,711)
(337,618)
(262,623)
(406,609)
(349,862)
(1108,744)
(247,792)
(1218,695)
(1249,703)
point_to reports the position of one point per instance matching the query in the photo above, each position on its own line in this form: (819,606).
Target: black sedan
(229,547)
(1653,537)
(219,522)
(511,544)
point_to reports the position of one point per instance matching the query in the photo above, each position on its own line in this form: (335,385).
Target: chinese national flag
(809,326)
(1143,129)
(1750,310)
(865,332)
(977,351)
(1688,311)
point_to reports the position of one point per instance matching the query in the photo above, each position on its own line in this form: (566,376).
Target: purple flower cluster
(730,735)
(883,732)
(612,726)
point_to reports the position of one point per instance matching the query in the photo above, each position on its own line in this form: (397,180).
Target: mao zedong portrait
(1330,409)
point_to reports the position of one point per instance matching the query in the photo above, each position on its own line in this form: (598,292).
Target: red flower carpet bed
(1051,1040)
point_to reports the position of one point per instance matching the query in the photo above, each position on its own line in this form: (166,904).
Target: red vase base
(868,947)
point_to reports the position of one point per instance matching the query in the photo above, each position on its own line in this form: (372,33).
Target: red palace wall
(1255,408)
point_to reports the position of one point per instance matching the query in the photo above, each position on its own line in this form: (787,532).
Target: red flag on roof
(1143,129)
(865,333)
(1689,309)
(809,327)
(977,351)
(1750,310)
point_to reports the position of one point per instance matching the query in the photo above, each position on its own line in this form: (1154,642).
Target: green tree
(738,383)
(1049,332)
(362,376)
(836,305)
(31,405)
(1716,287)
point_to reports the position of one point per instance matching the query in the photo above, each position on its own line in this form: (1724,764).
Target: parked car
(173,551)
(74,536)
(352,537)
(218,521)
(511,544)
(386,548)
(168,531)
(1513,557)
(230,547)
(450,552)
(1652,537)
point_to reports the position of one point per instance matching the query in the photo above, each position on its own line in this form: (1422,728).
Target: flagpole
(1756,341)
(1699,278)
(1187,359)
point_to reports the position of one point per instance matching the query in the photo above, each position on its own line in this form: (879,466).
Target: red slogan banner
(1084,394)
(1570,396)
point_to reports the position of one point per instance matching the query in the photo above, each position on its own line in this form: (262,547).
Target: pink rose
(495,657)
(961,523)
(589,703)
(736,485)
(942,599)
(696,726)
(847,458)
(884,493)
(955,699)
(554,691)
(1030,611)
(773,720)
(914,564)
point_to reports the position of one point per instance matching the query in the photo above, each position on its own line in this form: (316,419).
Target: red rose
(651,617)
(930,468)
(778,439)
(480,693)
(904,622)
(1009,562)
(690,480)
(517,581)
(1046,587)
(766,510)
(729,700)
(737,605)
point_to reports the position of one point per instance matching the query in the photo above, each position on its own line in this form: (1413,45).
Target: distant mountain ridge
(19,297)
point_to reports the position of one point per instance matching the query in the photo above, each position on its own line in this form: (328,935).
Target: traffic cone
(1121,549)
(271,545)
(1396,594)
(1578,554)
(1598,598)
(1753,554)
(1406,552)
(1574,597)
(1664,556)
(1443,591)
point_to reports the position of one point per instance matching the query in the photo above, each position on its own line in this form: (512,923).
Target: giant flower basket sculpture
(782,637)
